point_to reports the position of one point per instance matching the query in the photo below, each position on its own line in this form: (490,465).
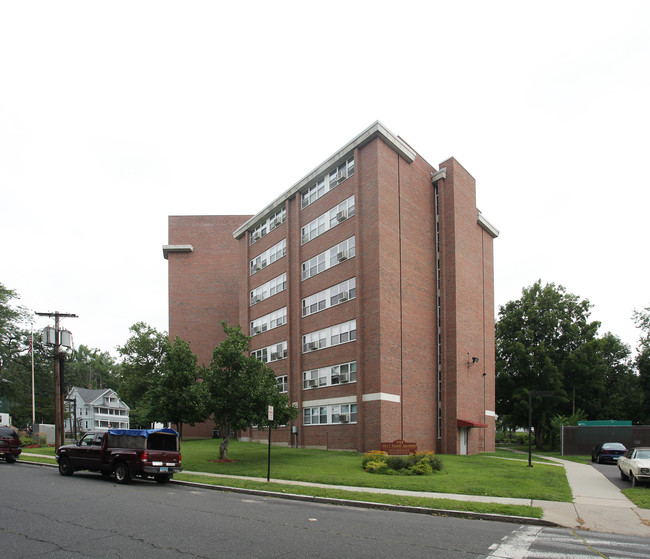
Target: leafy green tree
(642,320)
(178,396)
(599,378)
(140,370)
(90,368)
(240,388)
(535,338)
(16,365)
(13,337)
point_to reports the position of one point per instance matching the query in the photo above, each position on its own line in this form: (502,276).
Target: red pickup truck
(124,453)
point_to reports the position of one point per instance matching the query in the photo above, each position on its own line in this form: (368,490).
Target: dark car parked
(9,444)
(607,452)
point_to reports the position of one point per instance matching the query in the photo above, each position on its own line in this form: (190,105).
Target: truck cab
(124,453)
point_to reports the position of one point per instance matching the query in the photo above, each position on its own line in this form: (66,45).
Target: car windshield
(613,446)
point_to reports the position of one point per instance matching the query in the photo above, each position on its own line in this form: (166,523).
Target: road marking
(516,546)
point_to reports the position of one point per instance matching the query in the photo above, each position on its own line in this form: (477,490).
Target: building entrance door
(463,440)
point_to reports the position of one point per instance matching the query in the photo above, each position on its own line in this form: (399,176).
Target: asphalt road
(611,472)
(45,514)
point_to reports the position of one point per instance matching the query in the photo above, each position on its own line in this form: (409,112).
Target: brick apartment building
(367,287)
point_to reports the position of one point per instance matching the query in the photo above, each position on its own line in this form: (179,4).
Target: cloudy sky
(115,115)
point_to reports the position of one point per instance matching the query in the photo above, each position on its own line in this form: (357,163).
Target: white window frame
(329,258)
(269,321)
(269,256)
(272,353)
(274,220)
(330,337)
(270,288)
(329,415)
(328,220)
(333,375)
(330,181)
(330,297)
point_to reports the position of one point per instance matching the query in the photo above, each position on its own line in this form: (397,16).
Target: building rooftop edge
(377,129)
(485,224)
(176,248)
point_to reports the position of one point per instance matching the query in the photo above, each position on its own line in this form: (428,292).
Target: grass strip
(640,496)
(383,498)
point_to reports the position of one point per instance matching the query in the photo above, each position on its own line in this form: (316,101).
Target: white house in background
(96,410)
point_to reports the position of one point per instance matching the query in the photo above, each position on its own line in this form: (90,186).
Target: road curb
(359,504)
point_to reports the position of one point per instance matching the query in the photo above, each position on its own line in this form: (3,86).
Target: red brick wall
(395,307)
(203,286)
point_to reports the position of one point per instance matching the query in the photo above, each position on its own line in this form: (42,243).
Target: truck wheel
(161,478)
(65,468)
(10,459)
(122,473)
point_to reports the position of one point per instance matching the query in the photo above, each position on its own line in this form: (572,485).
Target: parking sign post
(268,471)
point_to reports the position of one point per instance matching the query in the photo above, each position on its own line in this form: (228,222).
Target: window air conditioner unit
(344,418)
(342,216)
(275,356)
(257,236)
(257,267)
(343,255)
(256,299)
(313,346)
(341,176)
(277,221)
(344,377)
(343,296)
(313,383)
(257,330)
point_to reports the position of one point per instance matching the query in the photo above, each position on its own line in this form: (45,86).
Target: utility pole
(59,385)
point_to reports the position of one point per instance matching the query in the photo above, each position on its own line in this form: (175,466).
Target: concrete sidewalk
(598,505)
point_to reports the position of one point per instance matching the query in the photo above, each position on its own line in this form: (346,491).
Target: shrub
(378,462)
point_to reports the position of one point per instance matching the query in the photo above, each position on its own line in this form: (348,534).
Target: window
(330,297)
(271,353)
(282,383)
(328,220)
(276,285)
(274,220)
(328,415)
(328,259)
(268,257)
(334,335)
(330,181)
(269,321)
(329,376)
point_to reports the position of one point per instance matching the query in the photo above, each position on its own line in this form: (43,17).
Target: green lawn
(501,474)
(482,474)
(414,501)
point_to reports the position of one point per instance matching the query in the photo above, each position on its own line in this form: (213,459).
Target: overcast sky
(115,115)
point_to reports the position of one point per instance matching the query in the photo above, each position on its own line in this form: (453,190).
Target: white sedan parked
(635,465)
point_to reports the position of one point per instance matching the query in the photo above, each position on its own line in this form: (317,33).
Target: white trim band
(380,396)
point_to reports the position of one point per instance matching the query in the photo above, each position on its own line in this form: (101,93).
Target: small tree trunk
(223,447)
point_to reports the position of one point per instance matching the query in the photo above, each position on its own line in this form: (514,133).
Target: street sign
(270,413)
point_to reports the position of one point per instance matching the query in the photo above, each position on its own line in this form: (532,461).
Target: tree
(599,379)
(535,337)
(642,320)
(140,369)
(16,366)
(90,368)
(178,396)
(240,388)
(12,334)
